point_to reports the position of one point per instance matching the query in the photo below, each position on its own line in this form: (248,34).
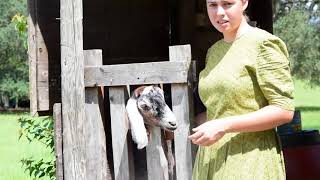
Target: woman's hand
(209,132)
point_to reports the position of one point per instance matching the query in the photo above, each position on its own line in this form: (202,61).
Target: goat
(146,108)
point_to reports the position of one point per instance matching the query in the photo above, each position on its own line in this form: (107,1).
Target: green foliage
(14,88)
(13,52)
(20,24)
(283,7)
(9,8)
(41,130)
(303,41)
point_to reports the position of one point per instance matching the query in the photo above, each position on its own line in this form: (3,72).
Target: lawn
(12,150)
(307,100)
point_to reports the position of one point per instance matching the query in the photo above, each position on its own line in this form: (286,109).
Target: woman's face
(226,15)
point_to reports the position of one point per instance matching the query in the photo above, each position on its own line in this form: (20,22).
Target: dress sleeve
(273,74)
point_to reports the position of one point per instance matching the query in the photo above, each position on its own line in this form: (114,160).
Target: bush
(41,130)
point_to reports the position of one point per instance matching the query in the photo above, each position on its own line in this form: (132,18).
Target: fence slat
(157,163)
(58,140)
(181,101)
(97,165)
(119,129)
(136,73)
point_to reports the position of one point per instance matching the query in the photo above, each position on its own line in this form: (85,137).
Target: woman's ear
(138,130)
(245,4)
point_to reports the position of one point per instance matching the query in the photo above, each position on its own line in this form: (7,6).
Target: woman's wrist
(227,124)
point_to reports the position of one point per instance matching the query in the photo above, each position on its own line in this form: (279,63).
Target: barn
(84,54)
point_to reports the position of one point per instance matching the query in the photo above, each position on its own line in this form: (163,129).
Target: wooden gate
(84,149)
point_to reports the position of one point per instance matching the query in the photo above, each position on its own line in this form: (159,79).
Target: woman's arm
(265,118)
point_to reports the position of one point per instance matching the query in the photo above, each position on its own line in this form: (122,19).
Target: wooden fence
(80,134)
(84,150)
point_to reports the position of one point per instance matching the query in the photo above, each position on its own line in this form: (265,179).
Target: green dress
(242,77)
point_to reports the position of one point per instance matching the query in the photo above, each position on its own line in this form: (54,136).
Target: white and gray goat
(146,109)
(147,106)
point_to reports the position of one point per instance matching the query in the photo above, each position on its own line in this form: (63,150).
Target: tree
(13,52)
(299,26)
(283,7)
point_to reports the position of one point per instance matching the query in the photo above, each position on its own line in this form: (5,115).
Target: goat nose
(172,123)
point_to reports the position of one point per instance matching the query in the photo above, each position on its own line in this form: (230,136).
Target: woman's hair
(246,16)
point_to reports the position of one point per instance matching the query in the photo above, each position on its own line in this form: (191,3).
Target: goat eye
(145,107)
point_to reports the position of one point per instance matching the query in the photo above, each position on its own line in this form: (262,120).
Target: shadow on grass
(308,108)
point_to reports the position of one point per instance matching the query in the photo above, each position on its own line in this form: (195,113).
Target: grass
(12,150)
(307,100)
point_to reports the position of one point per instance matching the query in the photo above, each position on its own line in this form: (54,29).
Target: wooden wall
(45,70)
(127,32)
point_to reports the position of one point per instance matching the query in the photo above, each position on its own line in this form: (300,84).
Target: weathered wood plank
(42,83)
(137,73)
(32,54)
(157,163)
(181,105)
(72,90)
(119,129)
(42,66)
(97,165)
(58,140)
(42,98)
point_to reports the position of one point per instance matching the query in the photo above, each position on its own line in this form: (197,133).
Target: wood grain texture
(119,129)
(32,56)
(42,67)
(57,117)
(97,164)
(72,91)
(157,163)
(181,102)
(137,73)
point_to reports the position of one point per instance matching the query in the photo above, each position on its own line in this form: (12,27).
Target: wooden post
(119,129)
(181,101)
(157,163)
(58,140)
(32,54)
(72,91)
(42,69)
(97,165)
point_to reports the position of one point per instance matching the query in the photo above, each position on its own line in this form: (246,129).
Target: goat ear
(138,91)
(138,130)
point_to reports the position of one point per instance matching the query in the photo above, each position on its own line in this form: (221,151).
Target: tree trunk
(5,100)
(17,101)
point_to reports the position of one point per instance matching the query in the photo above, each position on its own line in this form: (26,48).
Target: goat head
(147,106)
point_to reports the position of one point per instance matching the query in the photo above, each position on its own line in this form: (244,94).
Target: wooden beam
(181,105)
(97,164)
(58,140)
(42,71)
(137,73)
(72,90)
(32,54)
(119,129)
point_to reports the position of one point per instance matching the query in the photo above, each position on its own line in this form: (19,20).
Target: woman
(247,89)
